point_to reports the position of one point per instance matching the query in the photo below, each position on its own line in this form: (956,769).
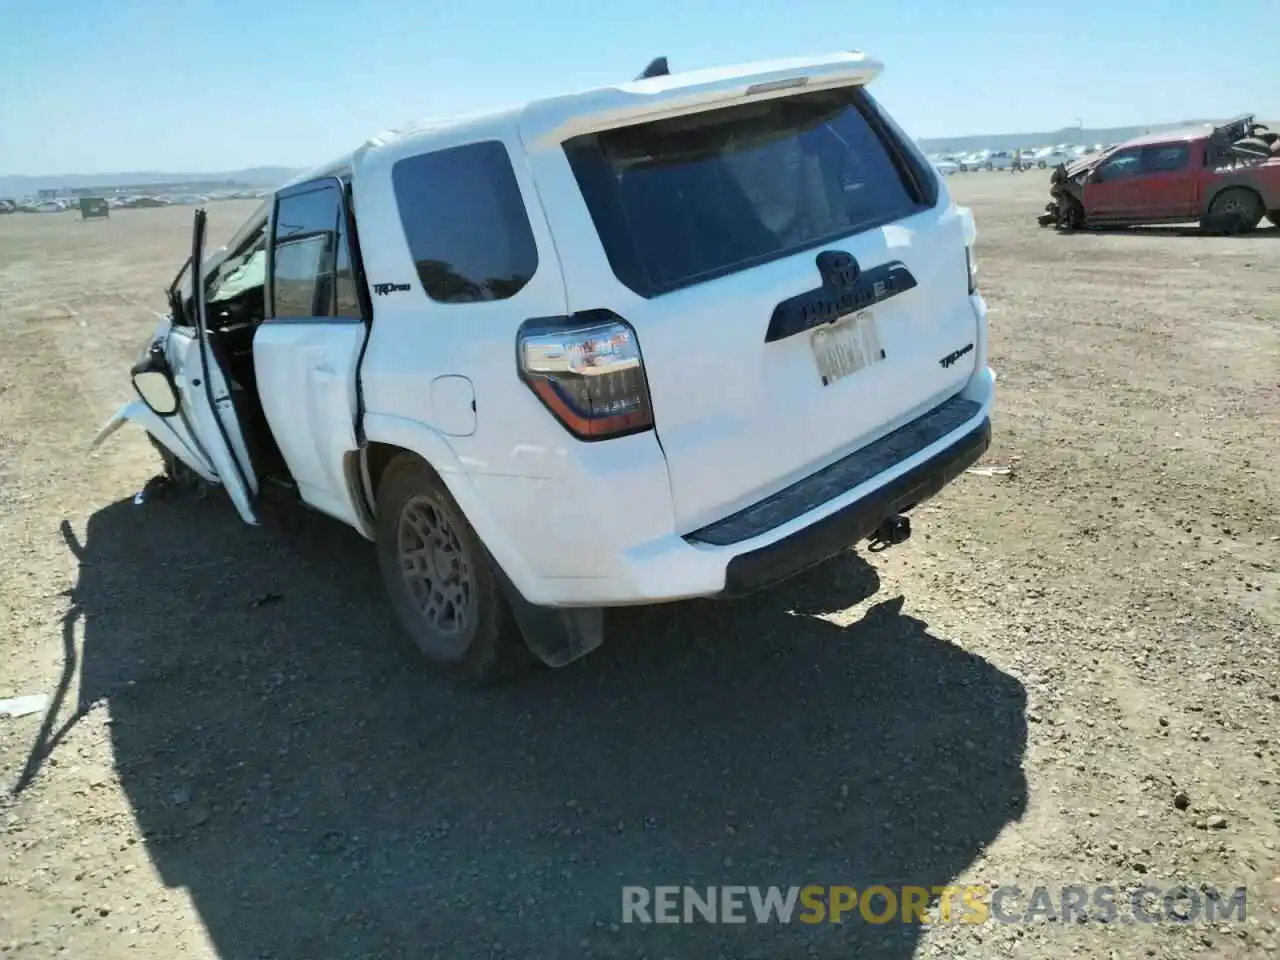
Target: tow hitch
(892,531)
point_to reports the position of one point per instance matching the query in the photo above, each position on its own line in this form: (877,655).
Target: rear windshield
(690,198)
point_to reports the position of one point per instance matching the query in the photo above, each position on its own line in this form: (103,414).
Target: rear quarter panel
(1263,178)
(526,484)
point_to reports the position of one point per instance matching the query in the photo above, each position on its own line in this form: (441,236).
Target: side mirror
(154,382)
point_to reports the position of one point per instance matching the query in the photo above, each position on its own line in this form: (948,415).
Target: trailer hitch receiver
(892,531)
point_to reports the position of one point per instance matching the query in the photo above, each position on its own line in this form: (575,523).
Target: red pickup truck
(1227,177)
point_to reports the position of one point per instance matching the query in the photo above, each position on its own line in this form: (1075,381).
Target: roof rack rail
(657,68)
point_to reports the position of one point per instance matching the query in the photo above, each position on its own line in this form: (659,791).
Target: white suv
(681,337)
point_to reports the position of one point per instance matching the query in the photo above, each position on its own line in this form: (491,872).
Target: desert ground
(1069,675)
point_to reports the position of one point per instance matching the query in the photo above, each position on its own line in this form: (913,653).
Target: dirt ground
(1070,675)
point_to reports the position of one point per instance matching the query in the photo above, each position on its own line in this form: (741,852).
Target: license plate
(846,347)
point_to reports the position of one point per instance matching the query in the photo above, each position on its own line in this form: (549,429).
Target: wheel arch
(1247,187)
(389,436)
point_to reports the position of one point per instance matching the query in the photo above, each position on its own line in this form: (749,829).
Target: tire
(467,630)
(988,167)
(1240,202)
(1071,215)
(1040,164)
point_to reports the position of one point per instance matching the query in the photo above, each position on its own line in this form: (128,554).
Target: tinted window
(311,264)
(465,223)
(1161,159)
(1124,164)
(686,199)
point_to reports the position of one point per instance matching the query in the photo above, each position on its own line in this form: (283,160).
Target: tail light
(588,372)
(970,231)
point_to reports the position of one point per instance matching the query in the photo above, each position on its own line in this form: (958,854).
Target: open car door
(202,384)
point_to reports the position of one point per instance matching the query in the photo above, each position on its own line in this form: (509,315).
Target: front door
(1112,189)
(202,383)
(307,352)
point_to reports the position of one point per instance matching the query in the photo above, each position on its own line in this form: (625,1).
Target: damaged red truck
(1226,177)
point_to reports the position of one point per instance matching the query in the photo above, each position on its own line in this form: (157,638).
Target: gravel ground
(1068,676)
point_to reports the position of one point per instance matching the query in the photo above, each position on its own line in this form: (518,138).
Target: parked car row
(1030,158)
(63,204)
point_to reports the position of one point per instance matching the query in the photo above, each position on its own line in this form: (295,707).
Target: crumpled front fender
(138,412)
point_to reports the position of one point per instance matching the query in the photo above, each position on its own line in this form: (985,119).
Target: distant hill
(18,186)
(1011,141)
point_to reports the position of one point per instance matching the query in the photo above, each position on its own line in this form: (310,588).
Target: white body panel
(168,431)
(173,433)
(739,418)
(306,376)
(664,566)
(184,359)
(592,524)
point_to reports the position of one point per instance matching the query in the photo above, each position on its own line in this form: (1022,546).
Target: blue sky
(95,86)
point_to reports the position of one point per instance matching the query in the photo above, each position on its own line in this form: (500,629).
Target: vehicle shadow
(1260,233)
(319,793)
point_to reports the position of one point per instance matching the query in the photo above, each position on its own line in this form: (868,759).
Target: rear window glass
(466,224)
(690,198)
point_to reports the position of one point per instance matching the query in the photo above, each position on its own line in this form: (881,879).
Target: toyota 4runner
(681,337)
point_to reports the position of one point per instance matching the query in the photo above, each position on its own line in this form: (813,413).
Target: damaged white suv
(681,337)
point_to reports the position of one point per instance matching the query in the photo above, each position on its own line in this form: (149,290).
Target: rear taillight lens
(972,266)
(588,372)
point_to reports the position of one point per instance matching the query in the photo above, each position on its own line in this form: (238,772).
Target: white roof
(635,101)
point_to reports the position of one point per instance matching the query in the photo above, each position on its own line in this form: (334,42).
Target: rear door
(307,352)
(796,288)
(1168,182)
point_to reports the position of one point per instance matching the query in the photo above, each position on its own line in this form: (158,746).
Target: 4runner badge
(955,355)
(382,289)
(846,288)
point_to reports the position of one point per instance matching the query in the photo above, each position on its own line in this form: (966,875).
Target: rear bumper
(756,569)
(774,539)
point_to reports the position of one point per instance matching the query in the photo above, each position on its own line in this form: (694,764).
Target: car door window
(311,271)
(1121,165)
(1167,158)
(465,223)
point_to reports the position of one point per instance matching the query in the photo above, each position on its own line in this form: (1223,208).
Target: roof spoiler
(657,68)
(658,95)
